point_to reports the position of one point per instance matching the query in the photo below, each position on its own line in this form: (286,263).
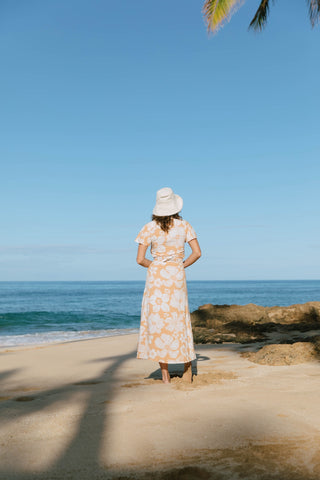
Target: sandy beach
(90,410)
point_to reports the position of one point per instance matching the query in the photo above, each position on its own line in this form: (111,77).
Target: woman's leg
(187,373)
(165,372)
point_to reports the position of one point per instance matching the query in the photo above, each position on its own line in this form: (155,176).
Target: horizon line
(141,280)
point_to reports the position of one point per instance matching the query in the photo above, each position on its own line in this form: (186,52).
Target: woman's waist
(168,258)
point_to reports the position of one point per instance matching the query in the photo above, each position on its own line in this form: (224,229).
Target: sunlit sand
(90,410)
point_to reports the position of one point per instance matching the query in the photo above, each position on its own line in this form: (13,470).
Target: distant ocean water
(44,312)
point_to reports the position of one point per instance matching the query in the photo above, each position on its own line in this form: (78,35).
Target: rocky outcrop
(286,354)
(251,323)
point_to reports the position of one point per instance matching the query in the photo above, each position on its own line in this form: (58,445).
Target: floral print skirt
(165,328)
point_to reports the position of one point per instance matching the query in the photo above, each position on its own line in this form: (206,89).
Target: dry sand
(91,410)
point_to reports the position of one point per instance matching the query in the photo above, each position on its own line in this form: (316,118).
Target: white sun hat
(167,203)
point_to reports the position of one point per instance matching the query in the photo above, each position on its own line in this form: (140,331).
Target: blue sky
(103,103)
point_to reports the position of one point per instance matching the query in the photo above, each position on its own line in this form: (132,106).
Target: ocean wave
(41,338)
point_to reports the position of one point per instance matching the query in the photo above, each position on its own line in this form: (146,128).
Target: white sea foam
(41,338)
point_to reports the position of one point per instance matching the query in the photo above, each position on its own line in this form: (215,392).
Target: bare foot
(165,372)
(165,376)
(187,373)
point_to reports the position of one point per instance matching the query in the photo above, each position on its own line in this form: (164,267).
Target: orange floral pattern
(165,328)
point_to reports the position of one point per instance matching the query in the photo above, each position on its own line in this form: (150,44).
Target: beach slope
(90,410)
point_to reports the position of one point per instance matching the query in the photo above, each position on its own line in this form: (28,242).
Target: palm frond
(218,12)
(259,21)
(314,11)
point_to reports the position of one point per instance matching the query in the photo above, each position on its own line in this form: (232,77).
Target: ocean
(47,312)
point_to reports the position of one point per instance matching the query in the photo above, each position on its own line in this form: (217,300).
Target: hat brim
(169,209)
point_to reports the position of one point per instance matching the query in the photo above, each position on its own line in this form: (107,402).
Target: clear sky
(104,102)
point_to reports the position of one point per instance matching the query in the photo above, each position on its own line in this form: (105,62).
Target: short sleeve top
(166,244)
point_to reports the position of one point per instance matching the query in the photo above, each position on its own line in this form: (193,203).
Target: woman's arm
(141,256)
(195,254)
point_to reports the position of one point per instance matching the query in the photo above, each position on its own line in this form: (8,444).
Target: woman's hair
(166,222)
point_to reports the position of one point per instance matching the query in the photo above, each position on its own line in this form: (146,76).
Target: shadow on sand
(81,458)
(176,369)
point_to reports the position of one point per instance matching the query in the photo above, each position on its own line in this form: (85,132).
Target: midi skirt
(165,329)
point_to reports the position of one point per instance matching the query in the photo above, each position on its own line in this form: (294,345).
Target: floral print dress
(165,328)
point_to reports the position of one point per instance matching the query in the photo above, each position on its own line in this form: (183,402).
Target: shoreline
(120,332)
(4,348)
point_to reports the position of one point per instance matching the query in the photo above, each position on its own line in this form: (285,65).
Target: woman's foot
(165,377)
(187,373)
(165,372)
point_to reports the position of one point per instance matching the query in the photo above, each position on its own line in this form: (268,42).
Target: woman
(165,329)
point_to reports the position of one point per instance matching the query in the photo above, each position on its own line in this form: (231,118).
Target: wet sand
(90,410)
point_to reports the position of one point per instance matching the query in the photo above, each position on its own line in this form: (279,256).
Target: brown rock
(211,316)
(249,323)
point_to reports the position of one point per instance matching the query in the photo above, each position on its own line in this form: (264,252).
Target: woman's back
(169,245)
